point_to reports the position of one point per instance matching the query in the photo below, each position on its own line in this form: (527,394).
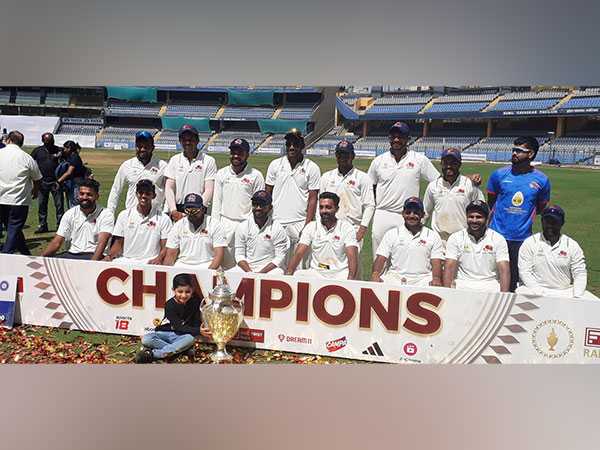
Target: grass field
(573,188)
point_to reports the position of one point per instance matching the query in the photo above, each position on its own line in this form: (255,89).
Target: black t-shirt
(75,160)
(47,160)
(183,319)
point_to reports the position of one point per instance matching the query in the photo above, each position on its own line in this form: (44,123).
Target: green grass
(574,189)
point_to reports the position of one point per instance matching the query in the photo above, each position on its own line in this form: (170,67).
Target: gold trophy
(223,313)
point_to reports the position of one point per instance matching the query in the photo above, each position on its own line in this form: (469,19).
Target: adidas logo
(374,350)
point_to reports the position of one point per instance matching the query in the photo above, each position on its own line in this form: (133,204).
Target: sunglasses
(520,150)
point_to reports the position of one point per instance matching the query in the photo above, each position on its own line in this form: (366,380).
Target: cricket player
(395,176)
(477,257)
(415,253)
(354,189)
(140,233)
(332,242)
(190,171)
(144,166)
(551,263)
(515,194)
(196,241)
(446,198)
(261,244)
(293,181)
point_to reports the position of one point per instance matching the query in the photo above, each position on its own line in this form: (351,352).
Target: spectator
(76,172)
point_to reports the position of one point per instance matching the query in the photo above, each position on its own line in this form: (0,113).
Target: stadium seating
(570,150)
(4,96)
(297,111)
(247,113)
(373,144)
(403,99)
(27,98)
(58,99)
(275,144)
(581,102)
(328,142)
(169,140)
(395,109)
(121,136)
(132,109)
(457,107)
(520,105)
(433,146)
(220,144)
(468,98)
(191,110)
(497,148)
(532,95)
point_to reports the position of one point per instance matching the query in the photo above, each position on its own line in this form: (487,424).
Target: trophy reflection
(222,313)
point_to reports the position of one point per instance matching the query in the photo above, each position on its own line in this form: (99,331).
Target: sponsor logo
(4,285)
(592,337)
(373,350)
(294,339)
(122,323)
(410,349)
(334,346)
(337,238)
(518,199)
(250,335)
(552,338)
(534,185)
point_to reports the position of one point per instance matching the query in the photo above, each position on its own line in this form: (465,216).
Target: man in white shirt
(447,197)
(196,241)
(19,182)
(143,167)
(354,188)
(415,253)
(396,175)
(261,244)
(140,233)
(477,257)
(87,226)
(332,244)
(552,264)
(293,181)
(190,171)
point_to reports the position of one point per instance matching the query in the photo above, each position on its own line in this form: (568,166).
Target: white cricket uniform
(396,181)
(261,246)
(328,249)
(18,171)
(290,193)
(132,171)
(190,176)
(410,255)
(141,234)
(446,204)
(355,190)
(196,246)
(557,270)
(477,260)
(82,231)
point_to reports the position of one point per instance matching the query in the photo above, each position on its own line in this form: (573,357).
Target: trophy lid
(222,290)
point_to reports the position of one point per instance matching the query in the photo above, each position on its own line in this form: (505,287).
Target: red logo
(198,168)
(267,236)
(334,346)
(281,337)
(423,242)
(250,335)
(246,180)
(151,224)
(410,165)
(410,349)
(337,238)
(351,182)
(204,231)
(562,253)
(592,337)
(122,323)
(461,191)
(488,248)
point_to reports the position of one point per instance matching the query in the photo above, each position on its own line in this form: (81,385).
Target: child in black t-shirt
(181,324)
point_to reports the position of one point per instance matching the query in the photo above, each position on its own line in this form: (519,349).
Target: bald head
(48,139)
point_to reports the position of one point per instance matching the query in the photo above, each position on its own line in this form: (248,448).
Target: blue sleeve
(492,185)
(544,195)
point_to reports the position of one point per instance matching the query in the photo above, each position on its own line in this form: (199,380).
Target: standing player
(477,257)
(293,181)
(332,244)
(143,167)
(140,233)
(515,194)
(354,189)
(260,243)
(551,263)
(190,171)
(395,176)
(414,251)
(448,196)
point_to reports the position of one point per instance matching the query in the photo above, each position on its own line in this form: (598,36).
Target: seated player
(261,245)
(415,253)
(140,233)
(552,264)
(87,226)
(477,257)
(332,243)
(196,241)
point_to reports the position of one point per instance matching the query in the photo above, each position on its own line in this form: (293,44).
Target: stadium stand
(497,148)
(521,105)
(247,113)
(403,99)
(570,150)
(220,143)
(433,146)
(119,137)
(395,109)
(4,96)
(115,108)
(300,111)
(79,126)
(457,107)
(589,100)
(373,145)
(192,110)
(273,145)
(469,98)
(532,95)
(27,98)
(169,140)
(58,99)
(329,142)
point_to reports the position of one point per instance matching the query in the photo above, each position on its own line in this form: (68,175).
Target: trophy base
(221,356)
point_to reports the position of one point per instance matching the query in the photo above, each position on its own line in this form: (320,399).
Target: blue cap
(262,198)
(414,203)
(453,153)
(193,201)
(187,128)
(144,136)
(400,127)
(240,143)
(344,147)
(479,205)
(554,211)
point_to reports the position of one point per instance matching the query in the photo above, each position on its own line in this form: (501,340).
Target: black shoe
(144,357)
(41,230)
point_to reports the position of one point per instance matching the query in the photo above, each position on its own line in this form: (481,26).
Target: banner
(8,295)
(348,319)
